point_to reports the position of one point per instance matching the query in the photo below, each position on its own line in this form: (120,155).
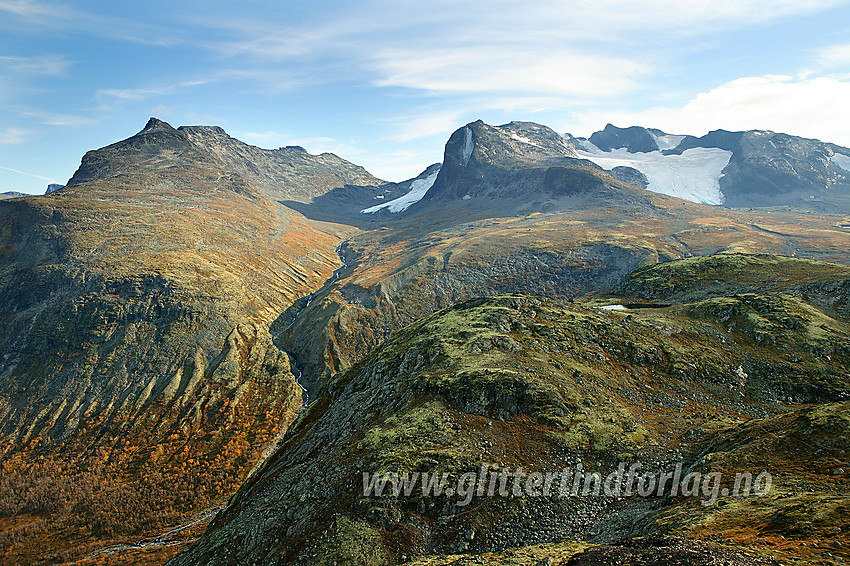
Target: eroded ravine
(295,311)
(170,537)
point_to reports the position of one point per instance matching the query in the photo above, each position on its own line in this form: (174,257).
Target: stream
(297,370)
(164,539)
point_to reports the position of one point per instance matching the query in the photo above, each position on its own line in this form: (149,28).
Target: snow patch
(842,161)
(667,141)
(418,188)
(694,175)
(467,146)
(614,307)
(524,139)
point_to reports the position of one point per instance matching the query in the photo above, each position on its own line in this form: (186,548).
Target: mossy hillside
(723,274)
(513,380)
(397,277)
(803,351)
(804,516)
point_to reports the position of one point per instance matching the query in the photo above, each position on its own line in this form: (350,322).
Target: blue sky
(384,82)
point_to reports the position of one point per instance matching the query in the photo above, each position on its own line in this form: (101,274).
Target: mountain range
(198,328)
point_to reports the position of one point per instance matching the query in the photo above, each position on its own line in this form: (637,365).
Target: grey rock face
(635,138)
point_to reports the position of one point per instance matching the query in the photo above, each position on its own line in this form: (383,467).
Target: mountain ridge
(169,304)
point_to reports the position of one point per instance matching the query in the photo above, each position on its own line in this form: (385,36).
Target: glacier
(694,175)
(418,188)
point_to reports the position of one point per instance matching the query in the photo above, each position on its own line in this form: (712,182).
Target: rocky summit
(214,353)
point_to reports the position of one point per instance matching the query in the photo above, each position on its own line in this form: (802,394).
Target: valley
(167,307)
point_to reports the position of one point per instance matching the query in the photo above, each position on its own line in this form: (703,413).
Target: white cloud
(687,17)
(424,124)
(499,47)
(55,119)
(62,18)
(810,107)
(108,95)
(835,56)
(490,69)
(13,135)
(38,65)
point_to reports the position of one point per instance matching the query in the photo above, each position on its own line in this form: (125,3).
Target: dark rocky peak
(512,143)
(523,163)
(213,131)
(721,139)
(157,151)
(635,139)
(155,124)
(769,168)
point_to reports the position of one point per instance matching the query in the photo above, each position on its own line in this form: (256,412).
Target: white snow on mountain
(418,188)
(523,139)
(842,161)
(468,146)
(694,175)
(667,141)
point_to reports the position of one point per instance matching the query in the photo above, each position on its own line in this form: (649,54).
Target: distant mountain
(288,173)
(12,194)
(523,167)
(738,169)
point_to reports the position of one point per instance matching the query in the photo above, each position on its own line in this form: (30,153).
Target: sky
(383,83)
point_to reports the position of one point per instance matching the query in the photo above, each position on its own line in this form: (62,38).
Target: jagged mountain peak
(636,139)
(207,158)
(156,124)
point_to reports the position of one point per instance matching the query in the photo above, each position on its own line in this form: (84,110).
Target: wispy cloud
(28,174)
(498,47)
(62,18)
(108,96)
(423,124)
(835,56)
(55,119)
(504,70)
(38,65)
(13,136)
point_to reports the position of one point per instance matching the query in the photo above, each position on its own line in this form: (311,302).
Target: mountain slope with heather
(542,384)
(138,380)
